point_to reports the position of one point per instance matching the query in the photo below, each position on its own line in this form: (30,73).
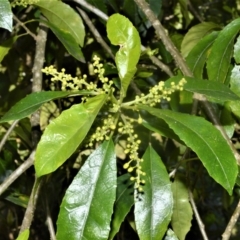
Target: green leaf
(158,125)
(124,202)
(234,106)
(234,80)
(182,210)
(121,32)
(6,46)
(24,235)
(212,149)
(195,34)
(153,208)
(216,90)
(219,59)
(18,199)
(87,206)
(197,57)
(236,52)
(170,235)
(227,120)
(32,102)
(64,17)
(67,40)
(6,15)
(64,134)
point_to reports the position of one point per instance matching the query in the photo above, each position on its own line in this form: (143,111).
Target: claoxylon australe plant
(129,136)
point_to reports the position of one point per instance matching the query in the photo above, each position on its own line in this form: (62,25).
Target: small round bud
(126,165)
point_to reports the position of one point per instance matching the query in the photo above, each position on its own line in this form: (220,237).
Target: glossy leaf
(236,52)
(158,125)
(6,16)
(182,210)
(212,149)
(67,40)
(219,59)
(195,34)
(33,102)
(124,202)
(197,57)
(87,206)
(121,32)
(24,235)
(64,134)
(6,46)
(170,235)
(64,17)
(211,89)
(153,208)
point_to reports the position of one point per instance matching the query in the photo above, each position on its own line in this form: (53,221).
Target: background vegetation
(189,139)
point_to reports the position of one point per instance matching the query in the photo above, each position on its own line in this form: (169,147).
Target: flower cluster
(102,133)
(132,147)
(23,3)
(158,92)
(76,83)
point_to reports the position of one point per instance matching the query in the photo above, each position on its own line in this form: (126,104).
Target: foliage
(123,150)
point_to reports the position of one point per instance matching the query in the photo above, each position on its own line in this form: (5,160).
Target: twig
(161,33)
(37,79)
(198,218)
(4,139)
(17,173)
(50,222)
(194,12)
(160,64)
(227,233)
(25,28)
(35,120)
(28,216)
(93,9)
(95,32)
(103,16)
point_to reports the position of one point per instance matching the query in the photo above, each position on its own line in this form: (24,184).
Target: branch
(160,64)
(37,79)
(17,173)
(4,139)
(198,218)
(28,216)
(227,233)
(105,17)
(35,120)
(25,28)
(93,9)
(161,33)
(194,12)
(49,221)
(95,33)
